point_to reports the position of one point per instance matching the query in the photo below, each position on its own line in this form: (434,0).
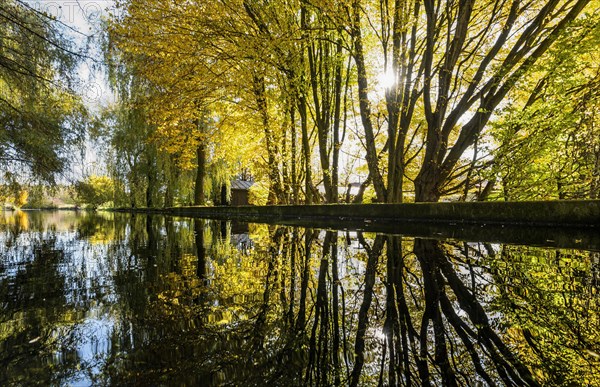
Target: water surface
(120,299)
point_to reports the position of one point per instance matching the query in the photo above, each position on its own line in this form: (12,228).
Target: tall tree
(549,145)
(457,61)
(182,66)
(40,115)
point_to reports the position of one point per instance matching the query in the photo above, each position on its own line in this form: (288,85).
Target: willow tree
(40,115)
(454,62)
(132,159)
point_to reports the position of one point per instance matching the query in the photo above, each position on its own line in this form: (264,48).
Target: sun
(386,79)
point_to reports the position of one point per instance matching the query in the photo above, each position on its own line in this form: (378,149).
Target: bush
(94,191)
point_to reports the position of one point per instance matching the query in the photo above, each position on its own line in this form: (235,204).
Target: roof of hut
(241,184)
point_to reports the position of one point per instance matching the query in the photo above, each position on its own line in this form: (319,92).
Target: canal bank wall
(571,213)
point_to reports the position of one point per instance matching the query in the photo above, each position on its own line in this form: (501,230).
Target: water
(119,299)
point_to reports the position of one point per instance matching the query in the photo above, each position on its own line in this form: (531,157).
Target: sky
(80,19)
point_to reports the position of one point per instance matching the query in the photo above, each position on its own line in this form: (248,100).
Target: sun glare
(386,79)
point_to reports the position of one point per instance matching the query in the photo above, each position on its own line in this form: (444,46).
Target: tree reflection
(549,300)
(461,328)
(179,301)
(46,296)
(373,253)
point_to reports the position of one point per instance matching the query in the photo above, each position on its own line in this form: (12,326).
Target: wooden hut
(240,192)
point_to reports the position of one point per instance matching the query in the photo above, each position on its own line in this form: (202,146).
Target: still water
(120,299)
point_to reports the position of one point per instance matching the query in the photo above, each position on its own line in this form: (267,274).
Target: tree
(185,64)
(133,159)
(94,190)
(548,139)
(457,61)
(40,116)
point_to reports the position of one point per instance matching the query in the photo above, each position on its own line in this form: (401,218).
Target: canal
(131,299)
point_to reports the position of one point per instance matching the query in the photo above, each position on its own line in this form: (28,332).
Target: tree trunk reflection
(203,302)
(473,334)
(373,253)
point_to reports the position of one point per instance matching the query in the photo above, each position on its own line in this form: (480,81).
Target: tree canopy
(40,114)
(417,100)
(317,102)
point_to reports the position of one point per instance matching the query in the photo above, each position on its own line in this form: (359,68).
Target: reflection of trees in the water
(47,294)
(194,301)
(306,307)
(23,326)
(549,300)
(456,338)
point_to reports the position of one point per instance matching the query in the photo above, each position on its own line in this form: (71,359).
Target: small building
(240,192)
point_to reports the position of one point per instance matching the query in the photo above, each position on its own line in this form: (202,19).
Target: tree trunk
(337,144)
(361,191)
(426,185)
(224,201)
(595,186)
(319,81)
(365,106)
(149,190)
(275,190)
(171,182)
(151,175)
(295,187)
(302,109)
(199,199)
(485,193)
